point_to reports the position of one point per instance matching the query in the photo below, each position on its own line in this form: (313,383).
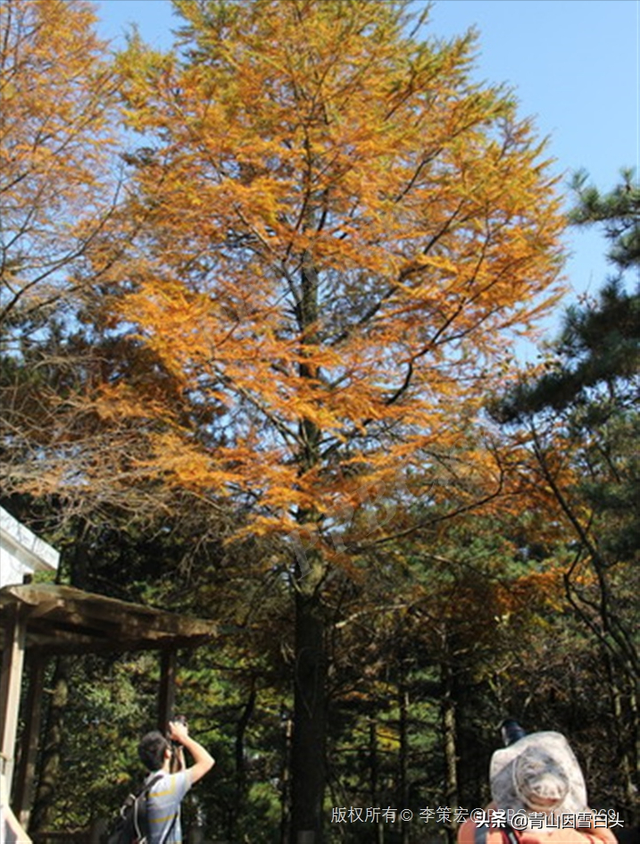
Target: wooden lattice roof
(62,619)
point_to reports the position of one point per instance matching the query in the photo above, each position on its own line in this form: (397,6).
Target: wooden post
(10,684)
(10,829)
(167,694)
(25,777)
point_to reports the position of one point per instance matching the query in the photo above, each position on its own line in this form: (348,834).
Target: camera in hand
(511,731)
(177,753)
(180,719)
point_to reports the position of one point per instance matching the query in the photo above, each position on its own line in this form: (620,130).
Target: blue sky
(573,65)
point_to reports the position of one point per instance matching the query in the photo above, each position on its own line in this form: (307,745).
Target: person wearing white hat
(538,797)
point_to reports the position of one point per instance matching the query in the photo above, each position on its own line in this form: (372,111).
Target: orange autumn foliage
(56,134)
(342,234)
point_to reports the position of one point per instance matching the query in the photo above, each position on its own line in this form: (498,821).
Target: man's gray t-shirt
(163,806)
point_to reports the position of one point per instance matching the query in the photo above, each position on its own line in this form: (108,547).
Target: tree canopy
(267,334)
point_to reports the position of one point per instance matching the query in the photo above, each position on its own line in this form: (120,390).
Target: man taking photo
(169,787)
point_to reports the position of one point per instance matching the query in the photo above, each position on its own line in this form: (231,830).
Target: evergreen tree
(582,417)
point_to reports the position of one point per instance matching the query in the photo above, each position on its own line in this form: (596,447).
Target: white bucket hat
(539,774)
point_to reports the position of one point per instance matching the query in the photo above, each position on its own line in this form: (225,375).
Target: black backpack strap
(170,830)
(134,795)
(148,785)
(144,792)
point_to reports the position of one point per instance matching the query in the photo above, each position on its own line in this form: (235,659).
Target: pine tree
(581,415)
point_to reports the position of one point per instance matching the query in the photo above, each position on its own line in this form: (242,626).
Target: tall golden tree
(342,234)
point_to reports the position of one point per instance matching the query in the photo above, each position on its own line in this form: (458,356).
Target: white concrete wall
(21,552)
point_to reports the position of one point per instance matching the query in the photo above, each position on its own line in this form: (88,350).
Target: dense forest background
(259,318)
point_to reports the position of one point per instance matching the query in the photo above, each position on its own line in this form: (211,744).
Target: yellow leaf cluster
(339,228)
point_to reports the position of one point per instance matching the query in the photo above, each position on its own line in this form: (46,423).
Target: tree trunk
(634,784)
(285,816)
(50,765)
(403,781)
(310,721)
(625,719)
(374,768)
(449,738)
(308,774)
(240,787)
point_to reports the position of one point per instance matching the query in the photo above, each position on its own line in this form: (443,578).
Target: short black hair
(152,749)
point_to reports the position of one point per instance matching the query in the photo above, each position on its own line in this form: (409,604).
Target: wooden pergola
(43,621)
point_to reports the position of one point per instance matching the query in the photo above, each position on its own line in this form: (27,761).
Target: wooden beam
(10,685)
(63,619)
